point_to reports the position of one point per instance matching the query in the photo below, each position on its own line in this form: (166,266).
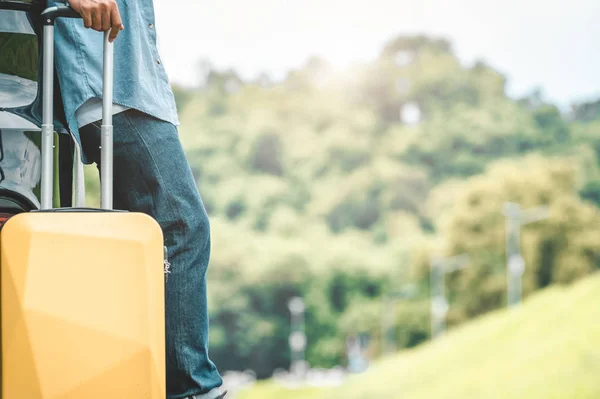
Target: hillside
(340,186)
(546,350)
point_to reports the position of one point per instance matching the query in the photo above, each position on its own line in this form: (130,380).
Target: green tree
(560,249)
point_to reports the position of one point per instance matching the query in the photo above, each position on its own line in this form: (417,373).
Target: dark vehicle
(20,148)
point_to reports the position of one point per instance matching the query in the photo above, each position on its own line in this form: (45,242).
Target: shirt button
(151,26)
(158,62)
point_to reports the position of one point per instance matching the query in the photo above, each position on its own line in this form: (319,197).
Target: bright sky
(554,44)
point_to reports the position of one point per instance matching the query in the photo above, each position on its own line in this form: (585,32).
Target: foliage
(19,55)
(321,186)
(522,355)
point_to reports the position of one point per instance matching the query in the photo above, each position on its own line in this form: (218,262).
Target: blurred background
(403,194)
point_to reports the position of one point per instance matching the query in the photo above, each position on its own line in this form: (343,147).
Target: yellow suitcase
(82,307)
(82,291)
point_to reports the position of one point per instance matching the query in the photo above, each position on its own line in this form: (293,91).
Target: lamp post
(439,304)
(515,264)
(297,338)
(388,321)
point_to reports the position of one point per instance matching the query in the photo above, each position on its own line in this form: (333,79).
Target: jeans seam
(180,224)
(172,207)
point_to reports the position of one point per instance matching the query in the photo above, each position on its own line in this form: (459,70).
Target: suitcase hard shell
(82,307)
(81,290)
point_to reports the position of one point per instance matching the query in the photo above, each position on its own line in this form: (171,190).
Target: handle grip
(50,15)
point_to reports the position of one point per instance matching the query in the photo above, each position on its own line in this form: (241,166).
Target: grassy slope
(549,349)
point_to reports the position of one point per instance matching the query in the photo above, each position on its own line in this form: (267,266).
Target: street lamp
(515,264)
(439,304)
(297,338)
(388,321)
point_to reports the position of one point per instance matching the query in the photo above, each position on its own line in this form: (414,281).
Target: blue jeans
(152,176)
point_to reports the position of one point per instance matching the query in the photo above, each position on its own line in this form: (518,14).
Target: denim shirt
(140,80)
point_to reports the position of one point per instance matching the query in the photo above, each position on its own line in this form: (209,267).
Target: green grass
(548,349)
(268,390)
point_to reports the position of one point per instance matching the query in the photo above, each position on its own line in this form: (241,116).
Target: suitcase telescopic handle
(49,16)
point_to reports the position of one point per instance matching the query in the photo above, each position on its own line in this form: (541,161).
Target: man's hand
(100,15)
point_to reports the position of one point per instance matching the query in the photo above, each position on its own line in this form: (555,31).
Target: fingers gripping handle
(106,171)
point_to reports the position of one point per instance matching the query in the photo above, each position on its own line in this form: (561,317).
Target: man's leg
(152,176)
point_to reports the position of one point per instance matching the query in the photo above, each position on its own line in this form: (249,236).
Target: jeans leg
(152,175)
